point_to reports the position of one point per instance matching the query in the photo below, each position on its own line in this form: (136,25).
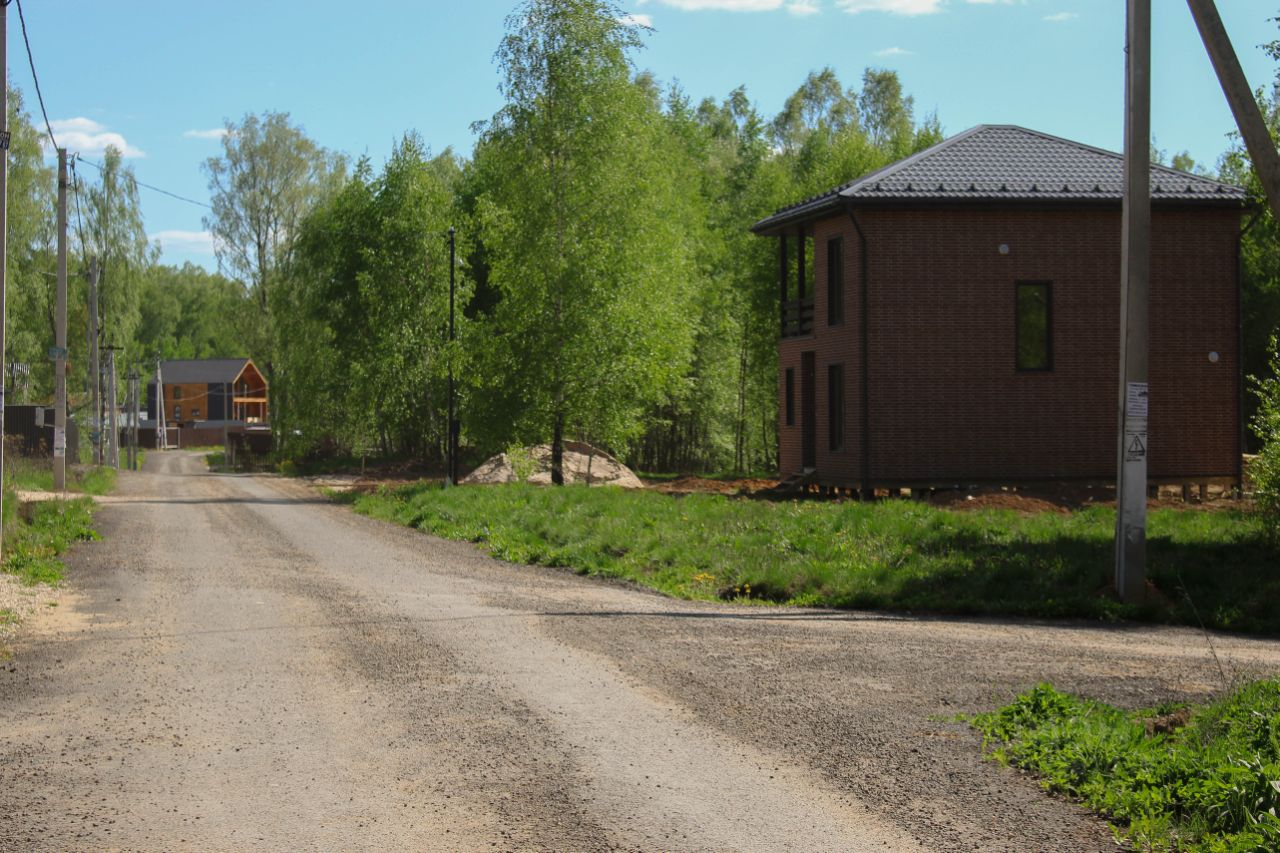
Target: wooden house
(199,392)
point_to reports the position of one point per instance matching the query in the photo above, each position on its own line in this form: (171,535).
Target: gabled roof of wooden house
(994,163)
(201,371)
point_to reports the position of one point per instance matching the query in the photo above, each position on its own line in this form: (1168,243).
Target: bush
(1265,470)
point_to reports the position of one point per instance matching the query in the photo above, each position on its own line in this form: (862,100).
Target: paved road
(243,666)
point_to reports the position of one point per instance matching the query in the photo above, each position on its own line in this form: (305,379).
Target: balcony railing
(797,317)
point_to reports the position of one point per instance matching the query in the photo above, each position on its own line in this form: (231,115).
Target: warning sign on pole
(59,441)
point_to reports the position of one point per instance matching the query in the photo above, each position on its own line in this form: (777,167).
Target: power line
(139,183)
(32,62)
(49,127)
(75,184)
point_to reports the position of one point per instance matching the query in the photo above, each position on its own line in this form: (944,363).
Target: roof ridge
(911,159)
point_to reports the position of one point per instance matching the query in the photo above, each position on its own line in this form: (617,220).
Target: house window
(177,392)
(835,281)
(1034,331)
(791,396)
(835,405)
(177,413)
(195,414)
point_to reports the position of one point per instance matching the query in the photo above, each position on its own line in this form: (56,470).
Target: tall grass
(889,555)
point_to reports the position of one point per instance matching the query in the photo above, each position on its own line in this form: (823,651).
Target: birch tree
(584,231)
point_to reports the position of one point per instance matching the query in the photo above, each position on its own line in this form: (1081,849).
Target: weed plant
(896,555)
(36,533)
(1170,779)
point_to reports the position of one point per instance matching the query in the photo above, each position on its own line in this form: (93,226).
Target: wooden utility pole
(1266,161)
(1135,260)
(4,222)
(95,371)
(60,338)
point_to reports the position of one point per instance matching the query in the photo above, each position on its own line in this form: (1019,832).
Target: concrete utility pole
(95,370)
(1135,259)
(4,222)
(1266,161)
(132,428)
(113,425)
(451,479)
(162,441)
(60,338)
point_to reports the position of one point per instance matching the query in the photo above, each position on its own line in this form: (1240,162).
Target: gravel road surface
(240,665)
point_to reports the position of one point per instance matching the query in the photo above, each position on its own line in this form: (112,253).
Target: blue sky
(157,77)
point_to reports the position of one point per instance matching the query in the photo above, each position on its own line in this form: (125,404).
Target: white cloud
(86,136)
(1059,17)
(724,5)
(192,242)
(219,132)
(896,7)
(803,8)
(895,51)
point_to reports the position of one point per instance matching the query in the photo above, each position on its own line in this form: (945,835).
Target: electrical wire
(34,77)
(75,187)
(139,183)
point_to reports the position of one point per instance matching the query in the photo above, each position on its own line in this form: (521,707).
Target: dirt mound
(582,464)
(690,484)
(979,500)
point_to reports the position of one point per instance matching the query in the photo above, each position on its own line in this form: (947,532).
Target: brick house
(953,318)
(210,391)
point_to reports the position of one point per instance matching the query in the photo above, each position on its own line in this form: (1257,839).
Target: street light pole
(451,478)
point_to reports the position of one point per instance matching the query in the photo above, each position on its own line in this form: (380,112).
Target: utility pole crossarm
(1257,139)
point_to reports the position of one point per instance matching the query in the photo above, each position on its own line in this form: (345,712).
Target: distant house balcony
(797,317)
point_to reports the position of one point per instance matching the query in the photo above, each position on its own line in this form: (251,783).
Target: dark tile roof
(201,370)
(1005,162)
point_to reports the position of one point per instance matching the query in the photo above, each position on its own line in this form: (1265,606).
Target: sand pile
(582,464)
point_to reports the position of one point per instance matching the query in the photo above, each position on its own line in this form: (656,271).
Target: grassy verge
(35,534)
(1170,779)
(36,475)
(890,555)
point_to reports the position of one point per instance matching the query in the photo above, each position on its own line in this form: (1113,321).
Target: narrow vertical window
(835,281)
(1034,332)
(791,396)
(835,405)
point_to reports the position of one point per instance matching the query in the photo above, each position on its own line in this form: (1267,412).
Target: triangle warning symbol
(1136,446)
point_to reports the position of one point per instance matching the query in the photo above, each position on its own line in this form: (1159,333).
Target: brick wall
(946,403)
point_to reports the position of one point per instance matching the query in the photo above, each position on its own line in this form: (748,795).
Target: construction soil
(581,463)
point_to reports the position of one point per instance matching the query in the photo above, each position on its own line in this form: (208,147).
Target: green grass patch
(1169,779)
(897,555)
(36,475)
(7,616)
(35,534)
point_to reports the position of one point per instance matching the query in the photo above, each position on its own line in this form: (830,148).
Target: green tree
(584,228)
(1265,470)
(115,233)
(1260,246)
(31,263)
(371,283)
(268,177)
(188,312)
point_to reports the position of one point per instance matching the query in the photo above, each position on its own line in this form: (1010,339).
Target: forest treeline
(607,286)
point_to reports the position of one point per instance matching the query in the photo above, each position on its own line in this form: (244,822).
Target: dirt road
(244,666)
